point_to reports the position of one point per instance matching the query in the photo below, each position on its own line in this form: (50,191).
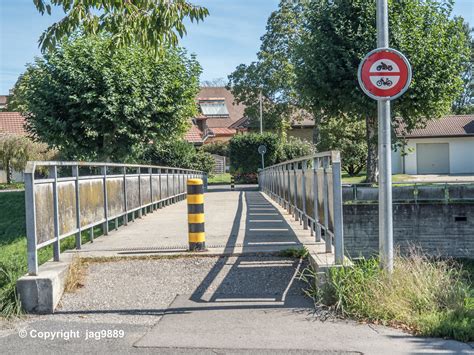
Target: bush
(243,152)
(180,154)
(428,297)
(245,159)
(219,148)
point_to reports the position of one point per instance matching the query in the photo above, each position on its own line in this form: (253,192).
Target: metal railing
(413,192)
(65,198)
(310,189)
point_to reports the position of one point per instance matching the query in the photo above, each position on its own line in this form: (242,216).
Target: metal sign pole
(385,158)
(261,112)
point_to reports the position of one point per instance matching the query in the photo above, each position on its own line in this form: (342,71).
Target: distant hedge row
(244,156)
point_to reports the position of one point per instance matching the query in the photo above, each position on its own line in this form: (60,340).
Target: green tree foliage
(219,148)
(294,148)
(94,104)
(16,151)
(150,23)
(347,136)
(339,33)
(244,156)
(464,104)
(179,153)
(273,72)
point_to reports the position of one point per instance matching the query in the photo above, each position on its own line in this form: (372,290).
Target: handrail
(59,207)
(316,204)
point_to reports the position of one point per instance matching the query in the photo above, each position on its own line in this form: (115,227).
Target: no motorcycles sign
(384,74)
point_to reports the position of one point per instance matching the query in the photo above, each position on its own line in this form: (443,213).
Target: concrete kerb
(42,293)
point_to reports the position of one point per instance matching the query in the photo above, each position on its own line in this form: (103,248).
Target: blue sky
(228,37)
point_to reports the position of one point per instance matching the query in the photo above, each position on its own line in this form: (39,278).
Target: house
(3,102)
(444,146)
(219,119)
(11,123)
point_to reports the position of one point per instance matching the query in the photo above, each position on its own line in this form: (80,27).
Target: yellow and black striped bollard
(232,182)
(196,234)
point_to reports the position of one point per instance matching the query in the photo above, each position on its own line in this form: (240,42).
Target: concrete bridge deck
(237,222)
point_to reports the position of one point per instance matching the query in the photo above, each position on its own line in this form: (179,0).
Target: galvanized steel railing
(310,189)
(66,198)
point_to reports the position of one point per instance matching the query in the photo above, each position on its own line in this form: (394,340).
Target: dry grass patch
(76,275)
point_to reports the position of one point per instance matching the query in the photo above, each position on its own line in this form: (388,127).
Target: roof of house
(447,126)
(236,111)
(194,135)
(223,131)
(12,123)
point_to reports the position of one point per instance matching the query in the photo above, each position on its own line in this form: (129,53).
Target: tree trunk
(372,153)
(8,172)
(316,137)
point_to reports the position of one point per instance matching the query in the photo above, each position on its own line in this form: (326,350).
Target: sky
(228,37)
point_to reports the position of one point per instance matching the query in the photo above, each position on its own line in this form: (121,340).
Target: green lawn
(219,179)
(13,261)
(12,186)
(360,178)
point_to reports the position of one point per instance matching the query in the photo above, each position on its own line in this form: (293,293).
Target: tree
(464,104)
(91,103)
(16,151)
(179,153)
(337,36)
(218,147)
(272,75)
(150,23)
(347,136)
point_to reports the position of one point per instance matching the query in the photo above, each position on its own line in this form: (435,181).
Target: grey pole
(261,113)
(385,159)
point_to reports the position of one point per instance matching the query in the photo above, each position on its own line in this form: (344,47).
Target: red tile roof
(236,111)
(223,131)
(194,135)
(12,123)
(447,126)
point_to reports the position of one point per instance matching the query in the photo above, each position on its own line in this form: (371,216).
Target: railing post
(140,212)
(289,187)
(125,200)
(337,209)
(317,223)
(106,212)
(295,185)
(152,204)
(167,201)
(327,236)
(75,173)
(31,222)
(53,171)
(303,194)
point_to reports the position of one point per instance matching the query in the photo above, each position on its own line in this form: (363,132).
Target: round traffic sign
(262,149)
(384,73)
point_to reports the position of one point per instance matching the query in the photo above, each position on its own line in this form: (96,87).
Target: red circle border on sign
(404,73)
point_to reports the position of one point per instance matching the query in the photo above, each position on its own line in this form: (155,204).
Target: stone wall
(438,228)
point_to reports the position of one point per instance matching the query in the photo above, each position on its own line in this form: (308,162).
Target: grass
(13,261)
(76,275)
(12,186)
(294,253)
(219,179)
(360,178)
(424,296)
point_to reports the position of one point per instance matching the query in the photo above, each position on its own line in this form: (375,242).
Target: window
(214,108)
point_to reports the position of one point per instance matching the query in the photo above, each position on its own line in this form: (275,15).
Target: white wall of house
(461,155)
(16,176)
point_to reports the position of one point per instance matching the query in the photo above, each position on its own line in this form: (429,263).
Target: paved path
(229,304)
(240,221)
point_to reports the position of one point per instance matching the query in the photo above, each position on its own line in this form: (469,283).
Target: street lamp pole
(385,158)
(261,112)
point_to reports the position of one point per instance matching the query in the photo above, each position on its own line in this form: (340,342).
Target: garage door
(432,158)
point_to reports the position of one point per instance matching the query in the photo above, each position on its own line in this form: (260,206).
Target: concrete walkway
(240,221)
